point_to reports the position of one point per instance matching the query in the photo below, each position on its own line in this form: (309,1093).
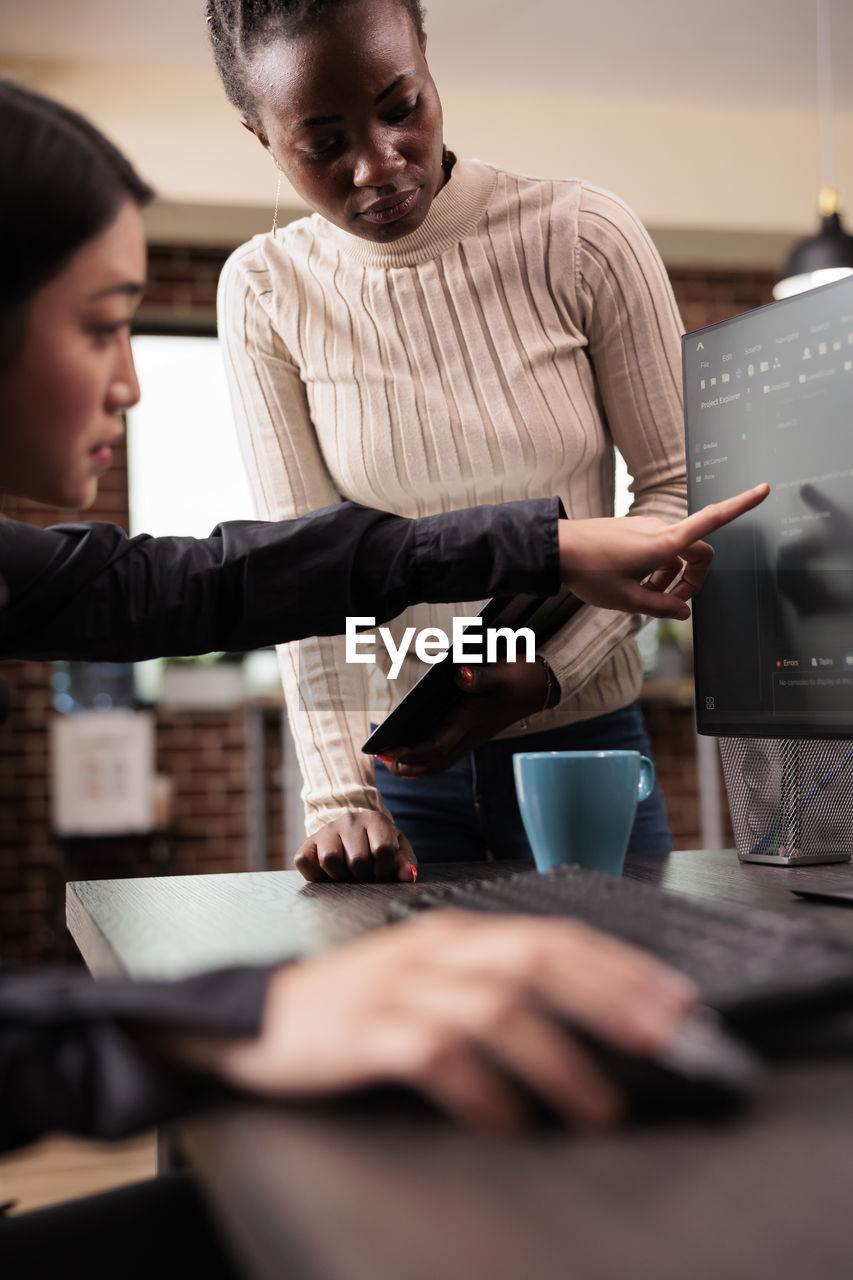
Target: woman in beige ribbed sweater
(439,333)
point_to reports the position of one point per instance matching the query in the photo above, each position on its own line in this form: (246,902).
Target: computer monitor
(769,396)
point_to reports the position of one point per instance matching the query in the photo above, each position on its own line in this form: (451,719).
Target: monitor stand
(791,799)
(802,859)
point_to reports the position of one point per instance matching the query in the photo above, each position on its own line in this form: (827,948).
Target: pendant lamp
(828,255)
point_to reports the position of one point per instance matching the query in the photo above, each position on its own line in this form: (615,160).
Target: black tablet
(843,897)
(423,709)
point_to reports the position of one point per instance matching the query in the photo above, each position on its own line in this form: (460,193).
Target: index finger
(696,527)
(306,861)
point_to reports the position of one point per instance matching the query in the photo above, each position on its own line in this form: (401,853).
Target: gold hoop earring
(275,212)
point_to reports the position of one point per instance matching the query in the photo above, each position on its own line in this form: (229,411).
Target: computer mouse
(702,1071)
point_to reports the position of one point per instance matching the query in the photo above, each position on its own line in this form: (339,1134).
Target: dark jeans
(470,813)
(157,1230)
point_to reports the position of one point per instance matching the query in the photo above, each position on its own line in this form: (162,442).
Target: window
(185,476)
(185,472)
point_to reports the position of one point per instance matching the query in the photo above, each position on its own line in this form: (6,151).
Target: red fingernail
(467,674)
(414,873)
(384,759)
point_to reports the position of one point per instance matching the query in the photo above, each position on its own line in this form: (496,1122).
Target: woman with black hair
(413,1004)
(439,332)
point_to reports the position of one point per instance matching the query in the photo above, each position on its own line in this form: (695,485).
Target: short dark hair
(237,28)
(63,182)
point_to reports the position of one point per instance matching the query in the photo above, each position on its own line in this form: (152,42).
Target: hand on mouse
(464,1008)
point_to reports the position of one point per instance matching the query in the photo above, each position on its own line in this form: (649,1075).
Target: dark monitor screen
(769,396)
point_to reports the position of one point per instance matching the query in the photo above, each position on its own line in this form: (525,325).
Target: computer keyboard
(785,987)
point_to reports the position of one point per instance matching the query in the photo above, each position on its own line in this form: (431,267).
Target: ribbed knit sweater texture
(499,351)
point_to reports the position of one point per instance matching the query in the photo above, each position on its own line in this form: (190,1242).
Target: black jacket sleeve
(69,1060)
(68,1056)
(88,591)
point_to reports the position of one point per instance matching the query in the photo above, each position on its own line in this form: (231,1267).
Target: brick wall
(28,856)
(182,282)
(205,753)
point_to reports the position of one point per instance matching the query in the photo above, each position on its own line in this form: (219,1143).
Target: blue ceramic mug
(579,806)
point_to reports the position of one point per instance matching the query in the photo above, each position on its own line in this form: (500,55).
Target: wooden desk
(385,1192)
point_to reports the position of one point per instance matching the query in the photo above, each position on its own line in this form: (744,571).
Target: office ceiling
(759,53)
